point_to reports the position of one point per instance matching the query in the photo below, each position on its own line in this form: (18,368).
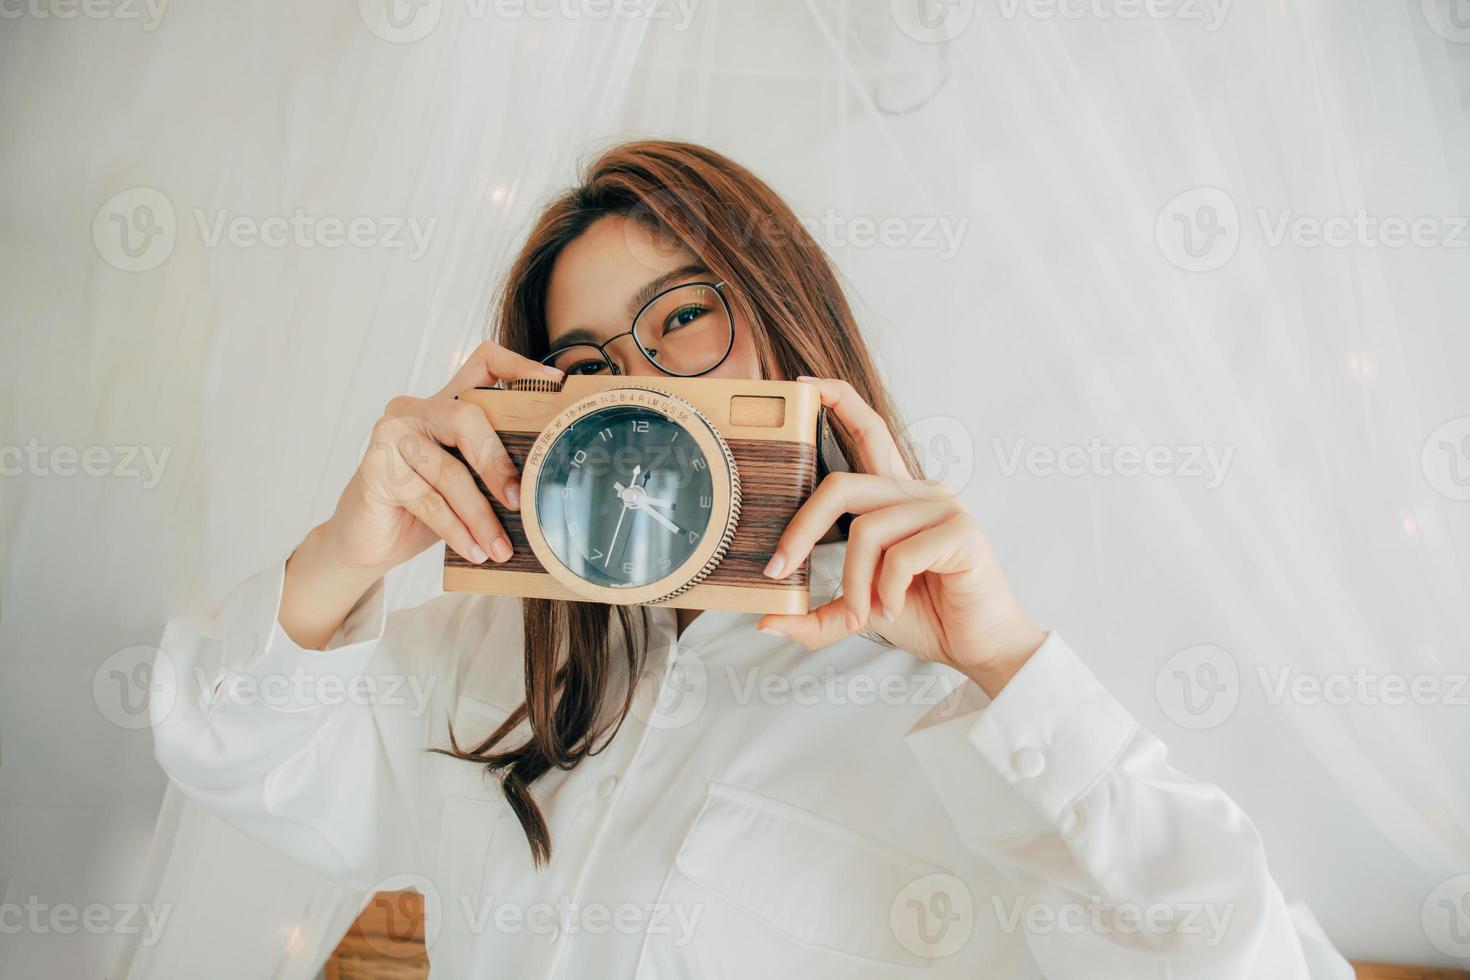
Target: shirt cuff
(1047,738)
(262,663)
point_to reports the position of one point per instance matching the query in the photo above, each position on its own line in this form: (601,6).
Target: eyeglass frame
(718,287)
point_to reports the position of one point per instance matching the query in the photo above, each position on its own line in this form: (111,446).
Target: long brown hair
(784,285)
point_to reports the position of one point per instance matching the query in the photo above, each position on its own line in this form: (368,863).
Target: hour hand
(618,488)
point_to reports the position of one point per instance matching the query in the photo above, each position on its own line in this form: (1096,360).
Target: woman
(911,777)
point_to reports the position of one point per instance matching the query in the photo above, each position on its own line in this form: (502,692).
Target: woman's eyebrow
(658,284)
(646,292)
(571,338)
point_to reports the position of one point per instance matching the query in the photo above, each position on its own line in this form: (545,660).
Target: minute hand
(661,519)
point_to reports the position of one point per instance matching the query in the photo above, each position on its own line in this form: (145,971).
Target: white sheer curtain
(1003,194)
(1325,543)
(256,368)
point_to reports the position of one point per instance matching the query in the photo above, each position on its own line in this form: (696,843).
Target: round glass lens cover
(624,497)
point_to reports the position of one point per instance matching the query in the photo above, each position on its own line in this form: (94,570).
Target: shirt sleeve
(318,753)
(1122,866)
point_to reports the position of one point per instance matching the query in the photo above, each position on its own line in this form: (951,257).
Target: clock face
(624,496)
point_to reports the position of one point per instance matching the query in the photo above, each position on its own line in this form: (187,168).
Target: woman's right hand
(409,492)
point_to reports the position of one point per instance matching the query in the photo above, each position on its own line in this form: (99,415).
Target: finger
(838,494)
(416,496)
(869,539)
(407,463)
(877,450)
(490,363)
(452,483)
(823,625)
(465,427)
(932,549)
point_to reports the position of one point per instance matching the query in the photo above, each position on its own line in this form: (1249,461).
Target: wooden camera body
(752,446)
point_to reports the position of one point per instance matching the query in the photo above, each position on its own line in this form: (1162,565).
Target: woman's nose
(640,368)
(630,360)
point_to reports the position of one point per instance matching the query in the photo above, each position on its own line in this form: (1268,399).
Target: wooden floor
(387,943)
(1393,971)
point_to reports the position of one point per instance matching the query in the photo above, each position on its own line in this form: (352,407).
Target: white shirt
(763,812)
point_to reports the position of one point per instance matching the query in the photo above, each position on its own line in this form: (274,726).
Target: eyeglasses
(685,331)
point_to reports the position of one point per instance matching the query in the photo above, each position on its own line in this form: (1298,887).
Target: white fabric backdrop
(1001,197)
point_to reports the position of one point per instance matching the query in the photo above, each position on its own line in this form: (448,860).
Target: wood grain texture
(1400,971)
(385,943)
(775,479)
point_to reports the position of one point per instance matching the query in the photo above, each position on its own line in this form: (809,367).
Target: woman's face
(600,281)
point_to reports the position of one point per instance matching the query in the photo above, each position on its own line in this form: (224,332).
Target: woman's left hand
(918,570)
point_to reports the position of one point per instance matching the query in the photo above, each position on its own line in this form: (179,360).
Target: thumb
(817,628)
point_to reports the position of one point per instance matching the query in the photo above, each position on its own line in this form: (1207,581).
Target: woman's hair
(783,285)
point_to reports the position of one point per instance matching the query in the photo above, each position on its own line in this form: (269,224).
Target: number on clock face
(621,499)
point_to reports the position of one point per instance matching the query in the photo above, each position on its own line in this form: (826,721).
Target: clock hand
(618,489)
(645,499)
(642,499)
(618,527)
(662,520)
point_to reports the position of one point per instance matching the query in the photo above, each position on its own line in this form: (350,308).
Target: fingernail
(852,620)
(770,631)
(477,555)
(805,377)
(775,566)
(552,372)
(501,549)
(513,496)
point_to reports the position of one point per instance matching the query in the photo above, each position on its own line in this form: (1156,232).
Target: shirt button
(1029,763)
(606,787)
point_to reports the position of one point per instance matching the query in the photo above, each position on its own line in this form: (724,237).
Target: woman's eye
(587,367)
(683,317)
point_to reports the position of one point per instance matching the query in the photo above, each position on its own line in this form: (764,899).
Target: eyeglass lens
(684,331)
